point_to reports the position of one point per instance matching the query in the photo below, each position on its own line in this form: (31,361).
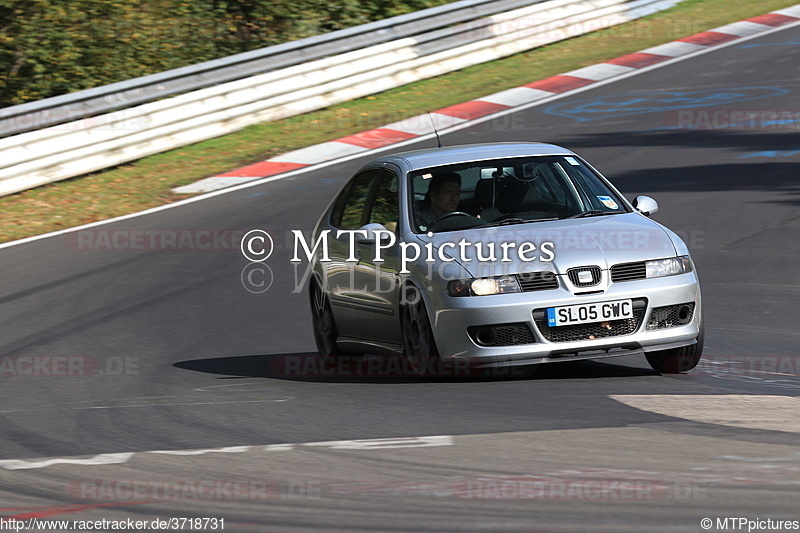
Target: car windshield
(508,191)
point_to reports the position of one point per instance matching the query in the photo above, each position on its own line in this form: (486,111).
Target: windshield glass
(508,191)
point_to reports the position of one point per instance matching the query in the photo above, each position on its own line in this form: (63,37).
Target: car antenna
(438,140)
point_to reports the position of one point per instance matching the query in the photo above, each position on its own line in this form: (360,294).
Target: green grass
(148,182)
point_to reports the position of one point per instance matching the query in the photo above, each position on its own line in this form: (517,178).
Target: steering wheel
(508,216)
(448,215)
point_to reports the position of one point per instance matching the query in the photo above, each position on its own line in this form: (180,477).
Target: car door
(377,282)
(349,213)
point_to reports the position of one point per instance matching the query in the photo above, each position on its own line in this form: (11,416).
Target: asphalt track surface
(182,357)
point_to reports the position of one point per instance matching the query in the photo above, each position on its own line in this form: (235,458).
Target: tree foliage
(53,47)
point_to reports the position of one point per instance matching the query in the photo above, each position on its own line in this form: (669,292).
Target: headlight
(483,286)
(669,267)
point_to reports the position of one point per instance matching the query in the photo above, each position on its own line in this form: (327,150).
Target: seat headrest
(484,192)
(509,199)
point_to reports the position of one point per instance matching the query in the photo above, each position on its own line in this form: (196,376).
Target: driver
(444,193)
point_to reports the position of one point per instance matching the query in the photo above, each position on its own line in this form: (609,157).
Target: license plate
(586,313)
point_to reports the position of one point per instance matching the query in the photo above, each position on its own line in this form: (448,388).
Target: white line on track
(119,458)
(382,444)
(102,459)
(229,449)
(774,413)
(153,404)
(795,457)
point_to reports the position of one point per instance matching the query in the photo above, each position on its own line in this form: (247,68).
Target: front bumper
(453,316)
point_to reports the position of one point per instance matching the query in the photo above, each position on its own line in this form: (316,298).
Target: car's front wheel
(325,332)
(677,360)
(418,341)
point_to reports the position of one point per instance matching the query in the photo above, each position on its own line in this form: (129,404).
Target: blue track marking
(652,102)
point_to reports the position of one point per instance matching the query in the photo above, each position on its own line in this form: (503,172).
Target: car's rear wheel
(325,332)
(677,360)
(420,346)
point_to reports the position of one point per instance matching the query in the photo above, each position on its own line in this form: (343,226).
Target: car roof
(465,153)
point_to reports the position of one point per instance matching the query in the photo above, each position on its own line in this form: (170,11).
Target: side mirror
(645,205)
(374,231)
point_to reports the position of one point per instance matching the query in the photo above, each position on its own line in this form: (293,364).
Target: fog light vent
(501,335)
(671,316)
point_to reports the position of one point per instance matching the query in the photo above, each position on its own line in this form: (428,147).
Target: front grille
(628,271)
(537,281)
(573,276)
(671,316)
(502,334)
(594,330)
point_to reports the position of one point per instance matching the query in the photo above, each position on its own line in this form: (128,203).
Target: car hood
(602,241)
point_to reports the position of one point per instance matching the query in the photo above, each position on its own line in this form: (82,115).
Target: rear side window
(385,209)
(349,210)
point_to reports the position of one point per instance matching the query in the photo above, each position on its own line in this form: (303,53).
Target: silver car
(499,254)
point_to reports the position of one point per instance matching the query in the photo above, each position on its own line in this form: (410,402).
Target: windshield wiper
(515,220)
(588,213)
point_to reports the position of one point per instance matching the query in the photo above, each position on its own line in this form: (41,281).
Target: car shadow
(761,162)
(310,367)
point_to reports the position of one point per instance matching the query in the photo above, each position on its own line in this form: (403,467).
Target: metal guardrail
(91,102)
(398,51)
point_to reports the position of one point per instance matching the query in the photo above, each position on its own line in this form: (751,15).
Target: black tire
(677,360)
(325,331)
(420,346)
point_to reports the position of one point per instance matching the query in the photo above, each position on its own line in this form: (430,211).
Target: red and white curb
(447,117)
